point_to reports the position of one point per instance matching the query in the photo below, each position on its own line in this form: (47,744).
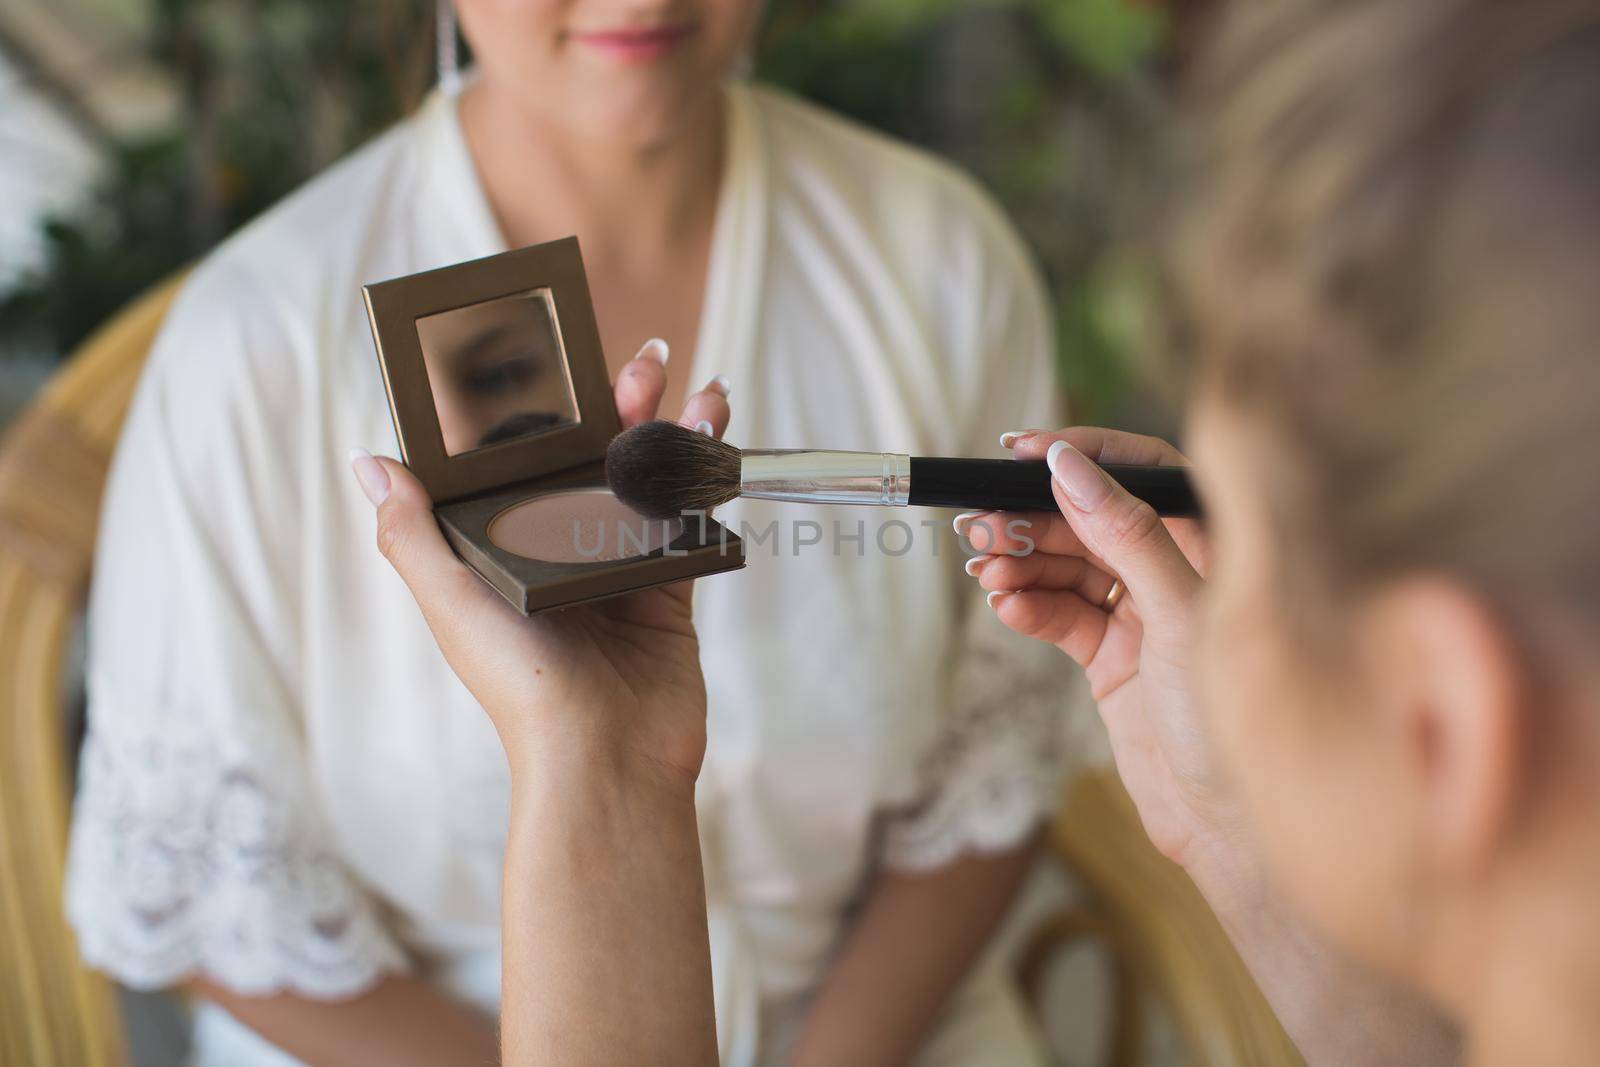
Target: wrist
(594,807)
(596,765)
(1226,867)
(660,742)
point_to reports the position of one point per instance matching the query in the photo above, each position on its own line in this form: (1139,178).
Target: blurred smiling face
(624,69)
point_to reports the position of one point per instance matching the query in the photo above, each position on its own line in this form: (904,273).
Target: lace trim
(183,863)
(997,771)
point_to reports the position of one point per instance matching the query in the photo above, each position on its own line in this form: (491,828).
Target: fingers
(1060,618)
(1018,533)
(641,383)
(707,410)
(409,538)
(1125,533)
(1115,446)
(1119,532)
(1044,571)
(1096,442)
(1054,598)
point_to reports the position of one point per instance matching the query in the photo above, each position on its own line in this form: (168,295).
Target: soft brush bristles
(662,469)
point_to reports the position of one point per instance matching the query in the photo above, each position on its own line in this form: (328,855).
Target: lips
(635,45)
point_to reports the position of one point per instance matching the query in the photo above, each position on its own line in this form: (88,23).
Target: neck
(626,201)
(1539,1005)
(1524,972)
(1534,1003)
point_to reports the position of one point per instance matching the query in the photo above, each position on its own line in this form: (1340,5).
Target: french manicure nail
(994,597)
(704,426)
(655,349)
(370,475)
(1011,437)
(720,384)
(963,520)
(974,563)
(1083,482)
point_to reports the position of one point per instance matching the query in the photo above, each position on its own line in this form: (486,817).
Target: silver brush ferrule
(827,477)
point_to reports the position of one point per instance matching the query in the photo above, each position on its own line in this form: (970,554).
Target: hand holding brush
(664,469)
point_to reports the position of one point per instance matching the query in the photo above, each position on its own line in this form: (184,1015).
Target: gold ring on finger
(1113,595)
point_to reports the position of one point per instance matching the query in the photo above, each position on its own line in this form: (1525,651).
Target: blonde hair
(1393,259)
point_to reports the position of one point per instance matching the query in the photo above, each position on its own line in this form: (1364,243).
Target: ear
(1460,694)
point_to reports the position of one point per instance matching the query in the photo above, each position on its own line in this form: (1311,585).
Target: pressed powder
(579,526)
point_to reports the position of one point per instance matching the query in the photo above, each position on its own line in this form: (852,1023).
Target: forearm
(915,940)
(400,1022)
(1336,1012)
(607,958)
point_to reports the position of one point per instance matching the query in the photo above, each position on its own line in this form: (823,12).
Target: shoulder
(910,197)
(306,240)
(246,320)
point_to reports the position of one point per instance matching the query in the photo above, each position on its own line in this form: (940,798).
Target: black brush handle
(1024,485)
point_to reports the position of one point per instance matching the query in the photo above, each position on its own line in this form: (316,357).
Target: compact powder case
(503,409)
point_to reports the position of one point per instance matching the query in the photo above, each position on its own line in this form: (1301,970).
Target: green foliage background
(1051,103)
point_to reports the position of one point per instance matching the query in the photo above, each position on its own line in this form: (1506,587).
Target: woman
(290,804)
(1388,759)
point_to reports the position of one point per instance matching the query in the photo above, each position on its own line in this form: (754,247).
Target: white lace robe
(283,786)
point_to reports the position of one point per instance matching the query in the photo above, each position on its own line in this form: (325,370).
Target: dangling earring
(447,54)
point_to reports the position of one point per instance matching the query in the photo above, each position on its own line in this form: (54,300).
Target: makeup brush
(662,469)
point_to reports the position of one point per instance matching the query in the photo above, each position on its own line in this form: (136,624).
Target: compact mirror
(494,370)
(503,409)
(497,371)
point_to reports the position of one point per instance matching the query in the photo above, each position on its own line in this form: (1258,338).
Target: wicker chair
(54,1012)
(1165,944)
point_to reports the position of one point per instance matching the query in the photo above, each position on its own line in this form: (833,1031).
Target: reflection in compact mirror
(496,371)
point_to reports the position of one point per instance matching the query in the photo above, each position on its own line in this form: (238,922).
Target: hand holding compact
(1136,649)
(617,680)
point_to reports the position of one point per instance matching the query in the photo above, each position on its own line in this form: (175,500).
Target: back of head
(1393,266)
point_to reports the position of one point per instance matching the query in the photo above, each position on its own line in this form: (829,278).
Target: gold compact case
(503,409)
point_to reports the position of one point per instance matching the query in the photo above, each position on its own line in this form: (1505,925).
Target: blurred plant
(1049,102)
(1053,104)
(272,91)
